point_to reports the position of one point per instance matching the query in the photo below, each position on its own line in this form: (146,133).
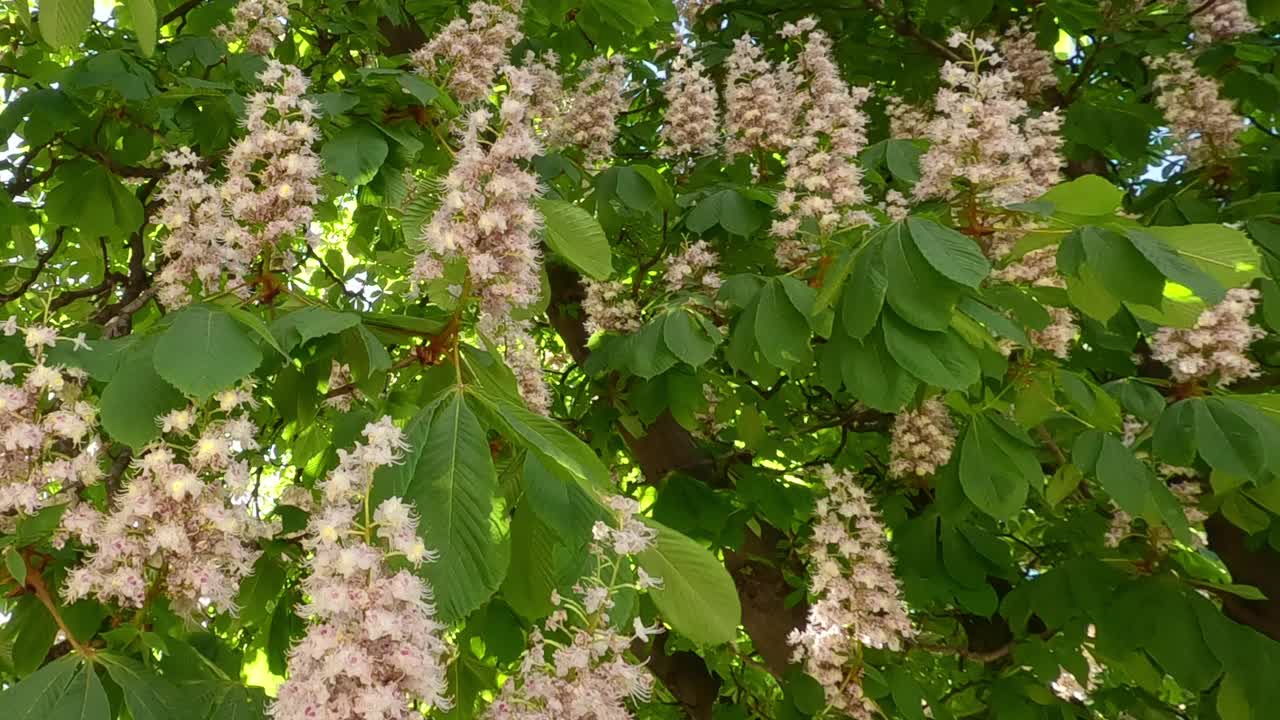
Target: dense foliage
(615,358)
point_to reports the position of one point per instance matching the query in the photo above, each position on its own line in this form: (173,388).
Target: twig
(41,262)
(35,581)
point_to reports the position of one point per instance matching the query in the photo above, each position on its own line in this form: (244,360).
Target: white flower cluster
(922,440)
(823,181)
(906,121)
(1217,345)
(1204,125)
(856,597)
(47,441)
(486,219)
(1032,67)
(268,194)
(259,24)
(986,136)
(691,10)
(609,308)
(691,125)
(373,645)
(341,394)
(177,527)
(759,101)
(1220,20)
(585,116)
(467,53)
(693,269)
(575,667)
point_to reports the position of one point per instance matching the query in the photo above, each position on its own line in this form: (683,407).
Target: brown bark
(1257,567)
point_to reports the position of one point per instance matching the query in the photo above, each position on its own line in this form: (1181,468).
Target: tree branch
(41,262)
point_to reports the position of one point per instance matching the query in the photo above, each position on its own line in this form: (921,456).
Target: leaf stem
(35,581)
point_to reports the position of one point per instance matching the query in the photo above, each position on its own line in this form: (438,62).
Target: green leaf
(1177,268)
(1125,478)
(1174,438)
(205,350)
(697,598)
(84,699)
(864,293)
(919,294)
(135,397)
(954,255)
(874,377)
(309,323)
(936,358)
(692,338)
(995,471)
(1227,440)
(906,692)
(240,703)
(147,695)
(559,450)
(730,210)
(781,330)
(95,201)
(16,566)
(1087,195)
(355,153)
(63,22)
(1225,253)
(903,159)
(533,574)
(448,476)
(143,15)
(35,697)
(1123,271)
(575,235)
(258,326)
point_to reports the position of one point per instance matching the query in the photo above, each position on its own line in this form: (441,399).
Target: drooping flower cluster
(691,125)
(985,136)
(268,194)
(486,219)
(906,121)
(823,182)
(585,116)
(610,308)
(259,24)
(759,100)
(1219,20)
(342,394)
(691,10)
(180,525)
(1218,345)
(47,441)
(466,54)
(1203,124)
(922,440)
(693,269)
(856,598)
(1031,66)
(373,644)
(576,667)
